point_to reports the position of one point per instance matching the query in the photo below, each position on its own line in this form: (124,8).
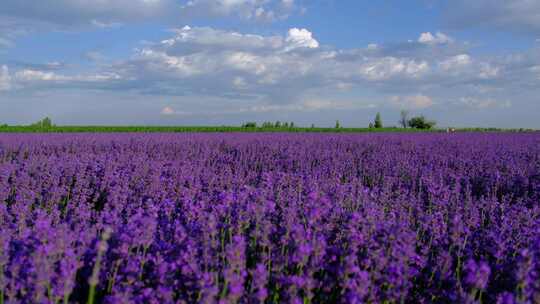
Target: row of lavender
(247,218)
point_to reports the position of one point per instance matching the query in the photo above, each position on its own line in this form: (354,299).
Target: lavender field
(270,218)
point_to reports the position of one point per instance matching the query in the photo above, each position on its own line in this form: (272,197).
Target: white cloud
(483,103)
(105,25)
(5,78)
(455,62)
(412,102)
(273,68)
(388,67)
(488,71)
(300,38)
(266,10)
(372,46)
(279,73)
(20,17)
(31,75)
(41,76)
(438,38)
(209,39)
(307,105)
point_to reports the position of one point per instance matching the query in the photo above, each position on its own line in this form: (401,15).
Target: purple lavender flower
(253,218)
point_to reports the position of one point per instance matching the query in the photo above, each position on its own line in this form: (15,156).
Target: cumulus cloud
(271,72)
(438,38)
(191,40)
(389,67)
(455,62)
(301,38)
(515,15)
(278,68)
(412,102)
(19,17)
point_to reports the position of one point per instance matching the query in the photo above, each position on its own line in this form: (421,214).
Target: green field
(217,129)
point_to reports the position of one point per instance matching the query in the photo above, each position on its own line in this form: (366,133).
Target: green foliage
(420,122)
(45,123)
(188,129)
(250,124)
(378,121)
(267,125)
(337,124)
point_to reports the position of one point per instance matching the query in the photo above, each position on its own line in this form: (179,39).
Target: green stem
(224,290)
(113,278)
(94,278)
(141,270)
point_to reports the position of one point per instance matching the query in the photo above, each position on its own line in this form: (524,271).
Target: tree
(337,124)
(313,126)
(378,121)
(420,122)
(278,124)
(249,125)
(291,125)
(45,123)
(404,118)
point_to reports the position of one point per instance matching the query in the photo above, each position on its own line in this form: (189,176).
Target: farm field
(229,129)
(270,218)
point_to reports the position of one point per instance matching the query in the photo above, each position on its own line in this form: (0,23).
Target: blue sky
(171,62)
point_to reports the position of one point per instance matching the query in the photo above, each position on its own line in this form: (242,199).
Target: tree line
(416,122)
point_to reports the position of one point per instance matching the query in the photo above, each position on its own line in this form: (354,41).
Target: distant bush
(277,124)
(378,121)
(249,125)
(45,123)
(420,122)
